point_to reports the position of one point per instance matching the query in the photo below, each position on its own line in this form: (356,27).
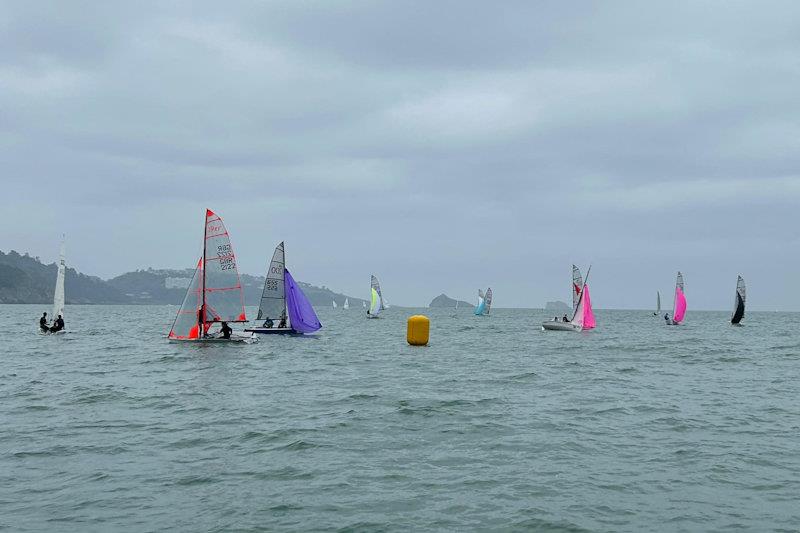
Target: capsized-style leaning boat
(679,304)
(215,292)
(376,298)
(738,303)
(484,302)
(284,308)
(582,315)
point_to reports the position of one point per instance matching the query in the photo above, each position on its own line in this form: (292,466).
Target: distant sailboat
(456,304)
(679,304)
(658,304)
(58,294)
(738,304)
(346,304)
(376,299)
(334,304)
(283,307)
(363,304)
(582,315)
(215,292)
(484,302)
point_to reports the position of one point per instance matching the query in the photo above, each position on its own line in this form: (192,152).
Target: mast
(580,296)
(203,280)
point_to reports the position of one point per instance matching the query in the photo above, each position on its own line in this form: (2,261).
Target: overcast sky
(444,146)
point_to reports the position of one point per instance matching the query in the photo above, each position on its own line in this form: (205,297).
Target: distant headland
(445,301)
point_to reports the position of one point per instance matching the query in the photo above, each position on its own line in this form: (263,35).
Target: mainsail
(679,306)
(658,303)
(738,304)
(481,303)
(488,300)
(273,297)
(376,298)
(58,295)
(301,313)
(577,285)
(215,292)
(583,316)
(346,304)
(334,304)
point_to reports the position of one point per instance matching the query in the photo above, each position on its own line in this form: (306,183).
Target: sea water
(495,425)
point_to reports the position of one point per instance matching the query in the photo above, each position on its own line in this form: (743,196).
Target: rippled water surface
(496,425)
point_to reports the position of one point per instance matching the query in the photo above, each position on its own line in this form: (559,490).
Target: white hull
(273,331)
(560,326)
(236,336)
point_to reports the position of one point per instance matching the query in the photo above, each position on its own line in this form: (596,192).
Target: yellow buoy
(419,329)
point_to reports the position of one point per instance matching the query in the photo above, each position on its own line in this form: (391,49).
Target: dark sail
(738,309)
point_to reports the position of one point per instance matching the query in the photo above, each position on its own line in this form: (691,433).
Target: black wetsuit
(226,331)
(43,324)
(58,325)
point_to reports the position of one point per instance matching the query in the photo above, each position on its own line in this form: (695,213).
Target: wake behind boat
(214,296)
(582,315)
(284,302)
(738,302)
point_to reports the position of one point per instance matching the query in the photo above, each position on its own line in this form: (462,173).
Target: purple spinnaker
(302,317)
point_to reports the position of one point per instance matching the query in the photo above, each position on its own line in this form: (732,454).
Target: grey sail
(739,301)
(273,298)
(577,285)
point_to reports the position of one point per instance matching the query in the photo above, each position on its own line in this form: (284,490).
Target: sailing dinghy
(679,305)
(58,294)
(334,304)
(484,302)
(658,304)
(738,304)
(376,298)
(284,308)
(582,315)
(215,292)
(346,304)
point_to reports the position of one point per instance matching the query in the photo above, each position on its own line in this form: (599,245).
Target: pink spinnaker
(588,315)
(680,306)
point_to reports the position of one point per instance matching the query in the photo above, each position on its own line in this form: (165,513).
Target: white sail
(334,304)
(739,301)
(577,285)
(658,303)
(346,303)
(58,295)
(488,300)
(273,297)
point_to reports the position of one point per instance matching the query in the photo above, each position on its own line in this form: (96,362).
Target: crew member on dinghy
(58,325)
(226,331)
(43,323)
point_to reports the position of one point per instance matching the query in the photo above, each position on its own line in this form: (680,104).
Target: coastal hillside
(25,279)
(445,301)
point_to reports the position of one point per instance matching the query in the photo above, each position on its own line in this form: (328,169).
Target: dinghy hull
(273,331)
(553,325)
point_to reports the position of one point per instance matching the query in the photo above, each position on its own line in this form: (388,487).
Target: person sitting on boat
(226,331)
(282,323)
(666,317)
(268,323)
(43,323)
(58,324)
(564,318)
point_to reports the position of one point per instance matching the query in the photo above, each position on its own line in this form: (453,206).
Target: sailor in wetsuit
(666,317)
(564,318)
(282,323)
(43,323)
(268,323)
(226,331)
(58,324)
